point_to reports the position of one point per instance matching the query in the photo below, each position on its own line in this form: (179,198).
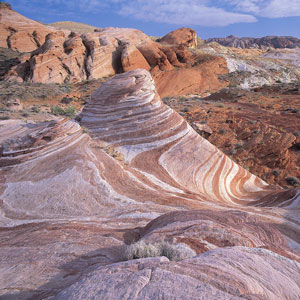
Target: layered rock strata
(58,56)
(20,33)
(72,196)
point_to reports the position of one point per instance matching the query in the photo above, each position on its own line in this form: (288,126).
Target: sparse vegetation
(297,133)
(276,172)
(29,91)
(232,151)
(142,249)
(239,145)
(36,109)
(68,111)
(220,105)
(291,180)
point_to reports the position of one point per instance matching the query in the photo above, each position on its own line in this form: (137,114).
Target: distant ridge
(74,26)
(259,43)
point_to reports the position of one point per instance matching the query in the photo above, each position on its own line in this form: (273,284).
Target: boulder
(182,36)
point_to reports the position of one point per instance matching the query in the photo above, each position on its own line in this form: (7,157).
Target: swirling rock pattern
(71,196)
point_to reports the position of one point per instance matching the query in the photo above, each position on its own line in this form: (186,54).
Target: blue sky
(210,18)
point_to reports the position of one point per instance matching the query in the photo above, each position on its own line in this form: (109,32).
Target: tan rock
(71,57)
(133,59)
(182,36)
(196,79)
(20,33)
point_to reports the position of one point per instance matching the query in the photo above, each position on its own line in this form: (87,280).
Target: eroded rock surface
(72,196)
(182,36)
(20,33)
(243,273)
(59,56)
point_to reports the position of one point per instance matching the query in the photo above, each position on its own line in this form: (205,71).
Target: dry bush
(142,249)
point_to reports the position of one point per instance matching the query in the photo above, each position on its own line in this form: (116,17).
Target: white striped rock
(72,196)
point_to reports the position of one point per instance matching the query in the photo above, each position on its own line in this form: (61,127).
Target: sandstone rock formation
(20,33)
(69,56)
(261,43)
(181,36)
(71,200)
(63,56)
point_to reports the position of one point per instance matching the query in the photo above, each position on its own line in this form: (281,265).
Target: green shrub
(239,145)
(276,172)
(142,249)
(69,111)
(36,109)
(291,180)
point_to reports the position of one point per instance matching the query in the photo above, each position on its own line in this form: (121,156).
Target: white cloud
(267,8)
(190,12)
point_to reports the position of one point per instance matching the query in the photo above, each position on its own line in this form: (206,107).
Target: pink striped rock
(73,195)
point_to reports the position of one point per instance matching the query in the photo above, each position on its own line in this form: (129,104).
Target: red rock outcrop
(197,79)
(74,199)
(132,59)
(20,33)
(63,56)
(181,36)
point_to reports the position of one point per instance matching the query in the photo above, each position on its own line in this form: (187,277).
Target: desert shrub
(239,145)
(2,118)
(220,105)
(36,109)
(232,151)
(69,111)
(297,146)
(57,110)
(66,100)
(222,131)
(291,180)
(142,249)
(276,172)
